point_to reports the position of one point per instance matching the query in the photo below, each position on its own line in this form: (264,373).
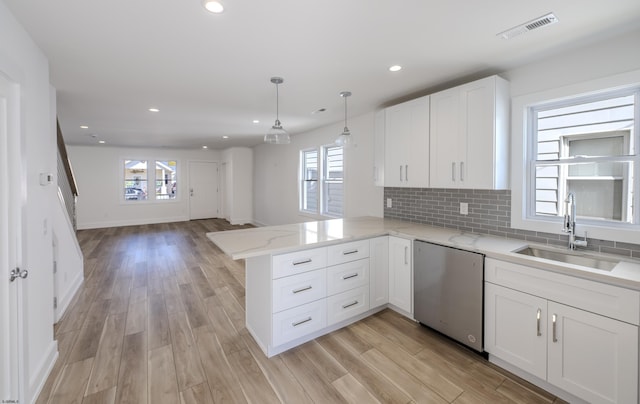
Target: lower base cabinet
(401,275)
(588,355)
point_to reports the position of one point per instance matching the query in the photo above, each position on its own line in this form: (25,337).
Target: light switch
(389,204)
(464,208)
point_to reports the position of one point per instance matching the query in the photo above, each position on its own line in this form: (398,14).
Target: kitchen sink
(570,257)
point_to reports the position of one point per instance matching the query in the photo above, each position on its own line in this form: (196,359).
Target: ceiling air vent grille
(539,22)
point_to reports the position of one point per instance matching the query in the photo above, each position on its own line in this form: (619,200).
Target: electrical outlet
(464,208)
(389,203)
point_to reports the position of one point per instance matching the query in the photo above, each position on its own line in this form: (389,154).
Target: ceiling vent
(539,22)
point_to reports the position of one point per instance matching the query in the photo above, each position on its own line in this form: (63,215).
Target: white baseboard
(36,383)
(131,222)
(65,300)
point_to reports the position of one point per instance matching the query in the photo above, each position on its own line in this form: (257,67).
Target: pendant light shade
(276,134)
(345,139)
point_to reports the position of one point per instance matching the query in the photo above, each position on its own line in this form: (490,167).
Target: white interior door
(11,369)
(203,190)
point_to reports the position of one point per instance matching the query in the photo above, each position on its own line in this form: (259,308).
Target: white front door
(203,190)
(11,363)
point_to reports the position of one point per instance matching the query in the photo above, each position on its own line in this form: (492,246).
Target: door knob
(17,273)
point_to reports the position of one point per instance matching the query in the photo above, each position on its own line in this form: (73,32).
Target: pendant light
(345,138)
(276,134)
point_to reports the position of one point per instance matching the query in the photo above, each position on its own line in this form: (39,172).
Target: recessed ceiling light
(395,68)
(84,127)
(256,121)
(101,141)
(213,6)
(225,137)
(205,147)
(154,110)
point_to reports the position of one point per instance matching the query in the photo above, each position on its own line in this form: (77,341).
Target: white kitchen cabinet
(297,296)
(516,328)
(592,356)
(469,138)
(378,148)
(401,275)
(379,271)
(406,144)
(578,335)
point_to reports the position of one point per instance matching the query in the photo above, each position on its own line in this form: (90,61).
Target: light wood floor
(160,319)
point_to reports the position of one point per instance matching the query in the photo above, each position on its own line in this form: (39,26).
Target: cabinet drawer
(346,252)
(298,262)
(607,300)
(347,304)
(347,276)
(299,321)
(299,289)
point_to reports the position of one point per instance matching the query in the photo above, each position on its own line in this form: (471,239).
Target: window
(322,195)
(332,186)
(137,178)
(585,146)
(309,189)
(166,179)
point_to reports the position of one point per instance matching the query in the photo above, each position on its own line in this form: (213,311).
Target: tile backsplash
(489,213)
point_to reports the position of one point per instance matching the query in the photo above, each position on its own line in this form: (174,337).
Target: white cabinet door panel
(516,328)
(299,261)
(379,272)
(347,276)
(299,289)
(354,250)
(347,304)
(593,357)
(299,321)
(401,274)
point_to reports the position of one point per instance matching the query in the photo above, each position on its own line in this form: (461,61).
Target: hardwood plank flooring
(160,318)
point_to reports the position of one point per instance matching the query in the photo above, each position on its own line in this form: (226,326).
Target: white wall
(23,63)
(99,175)
(238,185)
(600,59)
(68,256)
(276,174)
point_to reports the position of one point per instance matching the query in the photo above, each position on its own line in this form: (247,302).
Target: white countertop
(259,241)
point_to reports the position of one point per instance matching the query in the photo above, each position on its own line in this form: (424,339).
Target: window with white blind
(587,146)
(322,181)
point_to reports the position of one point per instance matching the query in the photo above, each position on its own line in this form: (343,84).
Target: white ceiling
(209,74)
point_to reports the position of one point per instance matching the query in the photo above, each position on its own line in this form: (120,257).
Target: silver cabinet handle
(453,171)
(344,278)
(554,321)
(462,171)
(406,261)
(350,252)
(400,173)
(308,260)
(406,172)
(301,289)
(344,306)
(538,315)
(297,323)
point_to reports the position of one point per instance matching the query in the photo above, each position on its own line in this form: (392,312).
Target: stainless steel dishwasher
(448,292)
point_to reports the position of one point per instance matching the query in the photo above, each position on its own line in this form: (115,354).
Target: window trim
(521,145)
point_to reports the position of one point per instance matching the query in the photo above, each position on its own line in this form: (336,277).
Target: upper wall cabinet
(469,136)
(406,144)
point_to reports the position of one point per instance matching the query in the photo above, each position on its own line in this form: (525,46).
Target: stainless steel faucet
(569,225)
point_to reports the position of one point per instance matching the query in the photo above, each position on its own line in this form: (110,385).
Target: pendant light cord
(277,106)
